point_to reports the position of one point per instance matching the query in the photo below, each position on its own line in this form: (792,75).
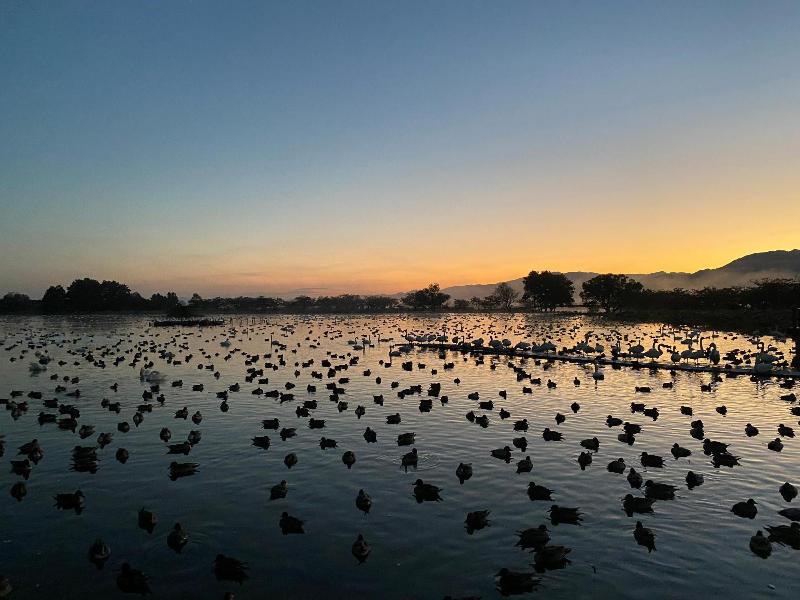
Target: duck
(659,491)
(99,552)
(750,430)
(775,445)
(290,460)
(503,453)
(261,441)
(788,491)
(227,568)
(360,549)
(591,444)
(613,421)
(520,442)
(463,471)
(70,501)
(19,490)
(363,501)
(694,479)
(279,490)
(525,465)
(793,514)
(326,443)
(539,492)
(147,520)
(521,425)
(405,439)
(760,545)
(644,536)
(515,582)
(584,460)
(651,460)
(551,558)
(785,431)
(616,466)
(680,452)
(564,514)
(410,459)
(182,448)
(393,419)
(746,509)
(132,581)
(788,535)
(370,436)
(290,524)
(426,492)
(476,520)
(551,436)
(533,537)
(637,504)
(177,538)
(483,421)
(349,459)
(634,478)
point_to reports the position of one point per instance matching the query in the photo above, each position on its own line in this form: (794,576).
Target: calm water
(418,550)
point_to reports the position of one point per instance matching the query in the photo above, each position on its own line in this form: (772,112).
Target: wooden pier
(606,361)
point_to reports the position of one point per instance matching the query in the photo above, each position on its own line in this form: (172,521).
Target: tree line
(542,291)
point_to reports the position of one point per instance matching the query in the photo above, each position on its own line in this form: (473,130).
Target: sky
(320,147)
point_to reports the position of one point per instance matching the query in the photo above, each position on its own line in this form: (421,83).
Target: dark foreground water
(418,550)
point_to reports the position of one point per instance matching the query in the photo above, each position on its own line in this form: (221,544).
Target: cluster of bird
(140,357)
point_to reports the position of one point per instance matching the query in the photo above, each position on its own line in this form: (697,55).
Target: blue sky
(254,147)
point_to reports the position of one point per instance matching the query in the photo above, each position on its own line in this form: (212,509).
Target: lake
(418,550)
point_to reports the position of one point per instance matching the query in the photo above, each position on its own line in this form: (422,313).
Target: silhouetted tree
(506,296)
(14,302)
(429,298)
(54,299)
(547,290)
(611,292)
(114,296)
(84,294)
(461,304)
(380,303)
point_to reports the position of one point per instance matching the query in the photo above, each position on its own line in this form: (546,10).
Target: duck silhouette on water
(99,553)
(132,581)
(476,520)
(227,568)
(644,536)
(426,492)
(463,472)
(290,525)
(533,538)
(510,583)
(360,549)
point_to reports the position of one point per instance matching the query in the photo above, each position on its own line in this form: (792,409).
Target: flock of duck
(55,399)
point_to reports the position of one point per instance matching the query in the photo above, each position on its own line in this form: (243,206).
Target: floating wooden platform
(605,361)
(188,323)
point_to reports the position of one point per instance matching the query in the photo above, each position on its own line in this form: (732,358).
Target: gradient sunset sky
(321,147)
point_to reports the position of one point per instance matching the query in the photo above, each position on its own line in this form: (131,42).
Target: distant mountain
(742,271)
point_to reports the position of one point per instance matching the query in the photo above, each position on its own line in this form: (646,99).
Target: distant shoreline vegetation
(764,303)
